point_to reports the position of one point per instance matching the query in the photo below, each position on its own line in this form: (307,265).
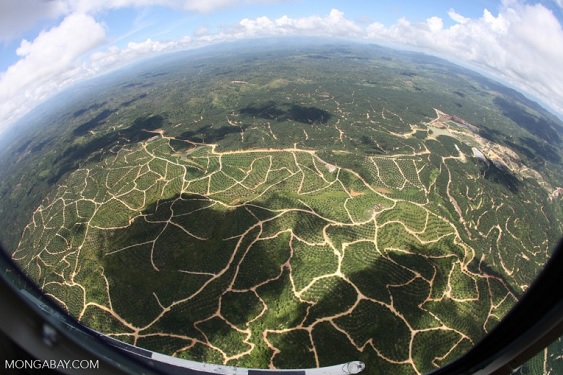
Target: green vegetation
(279,210)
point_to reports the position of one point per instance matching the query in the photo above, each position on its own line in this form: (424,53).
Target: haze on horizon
(50,45)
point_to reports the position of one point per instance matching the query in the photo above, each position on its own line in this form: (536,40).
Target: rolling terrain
(299,207)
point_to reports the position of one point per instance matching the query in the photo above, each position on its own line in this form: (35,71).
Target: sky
(49,45)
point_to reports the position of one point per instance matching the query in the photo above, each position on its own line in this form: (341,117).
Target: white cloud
(48,62)
(17,16)
(54,59)
(458,17)
(334,24)
(520,45)
(115,57)
(435,24)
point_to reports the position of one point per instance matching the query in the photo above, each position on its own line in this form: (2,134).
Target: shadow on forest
(132,277)
(131,101)
(208,134)
(86,109)
(540,127)
(285,111)
(93,123)
(533,150)
(500,175)
(134,282)
(490,134)
(544,150)
(536,152)
(71,158)
(390,279)
(99,119)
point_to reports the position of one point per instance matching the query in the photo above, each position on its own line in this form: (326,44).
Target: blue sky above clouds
(47,45)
